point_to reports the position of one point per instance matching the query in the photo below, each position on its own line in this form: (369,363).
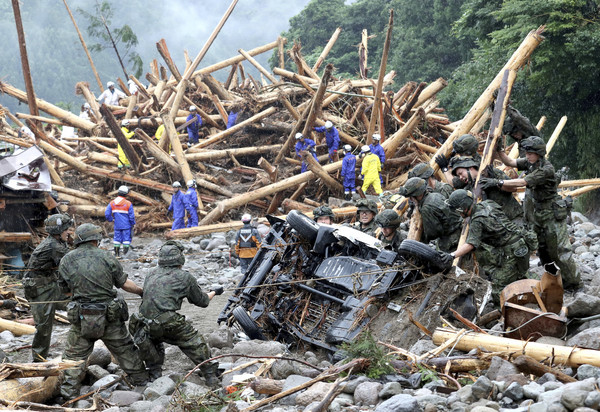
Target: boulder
(499,368)
(291,382)
(587,339)
(125,398)
(573,399)
(100,355)
(367,393)
(220,338)
(399,403)
(161,386)
(588,371)
(315,393)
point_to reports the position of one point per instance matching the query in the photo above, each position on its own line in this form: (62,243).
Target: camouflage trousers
(43,315)
(175,331)
(554,246)
(449,243)
(119,343)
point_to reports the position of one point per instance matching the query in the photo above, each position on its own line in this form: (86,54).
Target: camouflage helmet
(460,200)
(323,211)
(415,186)
(366,204)
(388,218)
(534,144)
(87,232)
(508,126)
(467,144)
(422,170)
(464,162)
(171,254)
(58,223)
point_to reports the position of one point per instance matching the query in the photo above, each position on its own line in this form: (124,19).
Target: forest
(463,41)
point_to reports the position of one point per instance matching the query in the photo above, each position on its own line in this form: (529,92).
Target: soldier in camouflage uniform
(518,127)
(323,214)
(96,311)
(490,226)
(549,213)
(158,320)
(366,210)
(390,236)
(439,221)
(466,145)
(466,169)
(425,172)
(41,282)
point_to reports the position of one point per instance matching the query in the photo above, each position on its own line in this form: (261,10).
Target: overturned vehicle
(321,284)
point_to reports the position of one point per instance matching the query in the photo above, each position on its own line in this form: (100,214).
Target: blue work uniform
(193,128)
(120,210)
(177,206)
(378,150)
(190,200)
(332,138)
(348,172)
(231,119)
(308,144)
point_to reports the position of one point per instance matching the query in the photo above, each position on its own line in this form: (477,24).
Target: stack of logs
(251,165)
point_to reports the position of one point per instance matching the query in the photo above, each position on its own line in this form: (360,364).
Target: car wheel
(304,225)
(247,323)
(423,254)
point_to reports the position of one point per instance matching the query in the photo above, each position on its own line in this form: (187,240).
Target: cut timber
(17,329)
(431,90)
(268,167)
(98,211)
(78,193)
(7,237)
(519,58)
(109,159)
(317,100)
(256,64)
(570,356)
(38,389)
(555,134)
(393,142)
(158,152)
(162,48)
(222,135)
(130,153)
(31,370)
(207,155)
(528,365)
(335,186)
(327,49)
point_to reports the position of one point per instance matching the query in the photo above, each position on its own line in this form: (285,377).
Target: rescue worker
(349,172)
(157,321)
(518,127)
(25,132)
(190,201)
(323,214)
(366,210)
(490,226)
(389,222)
(302,145)
(378,150)
(194,127)
(96,310)
(85,111)
(548,215)
(231,119)
(111,96)
(466,145)
(247,242)
(160,131)
(120,210)
(439,221)
(177,206)
(425,172)
(332,138)
(123,160)
(133,88)
(371,166)
(466,170)
(41,281)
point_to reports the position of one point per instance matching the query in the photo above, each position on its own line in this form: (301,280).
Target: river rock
(161,386)
(125,398)
(367,393)
(573,399)
(315,393)
(482,387)
(587,339)
(588,371)
(390,389)
(291,382)
(100,355)
(220,338)
(499,368)
(399,403)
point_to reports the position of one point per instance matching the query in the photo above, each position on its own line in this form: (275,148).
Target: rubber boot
(117,251)
(125,250)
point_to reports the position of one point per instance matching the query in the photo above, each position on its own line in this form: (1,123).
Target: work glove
(500,145)
(218,289)
(447,259)
(411,209)
(442,162)
(9,304)
(487,183)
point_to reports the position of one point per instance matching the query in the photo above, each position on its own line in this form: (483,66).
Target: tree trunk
(393,142)
(161,45)
(327,49)
(17,329)
(335,186)
(130,152)
(158,153)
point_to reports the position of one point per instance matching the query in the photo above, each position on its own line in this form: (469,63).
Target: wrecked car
(321,284)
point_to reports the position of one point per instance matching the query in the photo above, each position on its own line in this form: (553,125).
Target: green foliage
(427,375)
(365,346)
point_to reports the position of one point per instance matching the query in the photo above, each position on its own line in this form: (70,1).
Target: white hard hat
(347,148)
(328,124)
(191,183)
(176,184)
(86,105)
(123,190)
(299,136)
(130,81)
(110,84)
(246,217)
(125,122)
(24,129)
(365,149)
(192,108)
(376,137)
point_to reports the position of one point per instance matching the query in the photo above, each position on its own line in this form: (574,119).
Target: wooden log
(39,118)
(130,106)
(159,153)
(327,49)
(40,135)
(208,155)
(570,356)
(269,168)
(335,186)
(287,146)
(518,59)
(63,115)
(379,89)
(133,195)
(163,50)
(9,237)
(130,152)
(555,134)
(17,329)
(258,66)
(317,100)
(294,76)
(38,389)
(31,370)
(222,135)
(344,137)
(220,108)
(393,142)
(580,191)
(431,90)
(530,366)
(267,386)
(98,211)
(78,193)
(110,159)
(289,204)
(457,364)
(53,173)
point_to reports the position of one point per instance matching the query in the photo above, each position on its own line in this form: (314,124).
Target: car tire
(424,254)
(247,323)
(304,225)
